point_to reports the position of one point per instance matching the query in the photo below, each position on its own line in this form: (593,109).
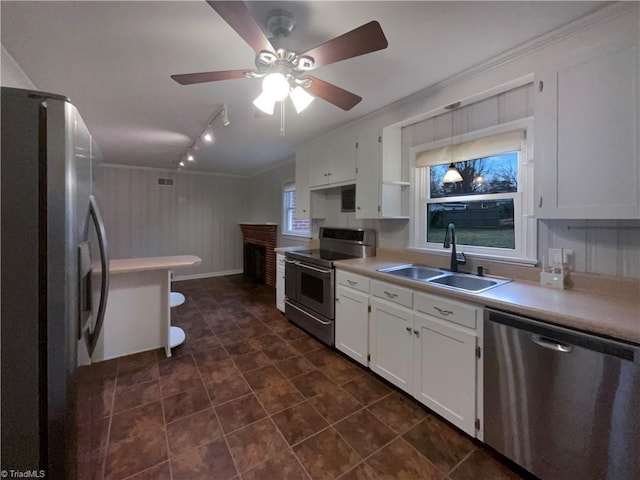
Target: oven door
(315,288)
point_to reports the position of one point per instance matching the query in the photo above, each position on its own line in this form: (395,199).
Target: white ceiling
(114,59)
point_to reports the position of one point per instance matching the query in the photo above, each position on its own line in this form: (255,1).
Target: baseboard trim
(205,275)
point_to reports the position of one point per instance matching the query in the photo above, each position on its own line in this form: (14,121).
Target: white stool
(176,334)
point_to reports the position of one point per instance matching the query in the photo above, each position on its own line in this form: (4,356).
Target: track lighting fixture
(206,135)
(225,117)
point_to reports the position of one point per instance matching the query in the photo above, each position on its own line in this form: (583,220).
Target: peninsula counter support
(138,315)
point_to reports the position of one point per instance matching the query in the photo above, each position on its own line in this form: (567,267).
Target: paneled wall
(199,215)
(609,247)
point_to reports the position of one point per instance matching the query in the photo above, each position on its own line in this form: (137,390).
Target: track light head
(225,117)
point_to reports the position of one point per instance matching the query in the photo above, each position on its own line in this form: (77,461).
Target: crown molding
(169,170)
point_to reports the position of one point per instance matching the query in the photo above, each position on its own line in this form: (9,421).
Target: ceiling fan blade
(366,38)
(203,77)
(237,15)
(333,94)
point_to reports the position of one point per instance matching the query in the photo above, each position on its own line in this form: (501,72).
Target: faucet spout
(450,241)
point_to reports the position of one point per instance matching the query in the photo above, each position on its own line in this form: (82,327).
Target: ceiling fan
(285,72)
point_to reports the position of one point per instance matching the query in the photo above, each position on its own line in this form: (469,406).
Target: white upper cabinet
(332,159)
(587,163)
(303,201)
(368,174)
(380,189)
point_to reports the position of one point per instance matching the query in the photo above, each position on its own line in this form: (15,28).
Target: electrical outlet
(554,256)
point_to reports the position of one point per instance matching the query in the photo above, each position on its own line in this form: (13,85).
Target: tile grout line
(108,441)
(474,449)
(166,430)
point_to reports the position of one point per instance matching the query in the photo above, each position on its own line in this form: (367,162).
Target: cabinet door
(368,175)
(352,323)
(586,137)
(342,156)
(391,343)
(303,202)
(445,370)
(318,163)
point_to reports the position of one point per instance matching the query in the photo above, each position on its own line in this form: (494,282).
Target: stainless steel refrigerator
(54,278)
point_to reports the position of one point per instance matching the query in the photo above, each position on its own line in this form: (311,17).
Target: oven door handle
(286,260)
(307,313)
(315,269)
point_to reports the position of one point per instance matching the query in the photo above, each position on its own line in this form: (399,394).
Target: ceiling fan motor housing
(280,23)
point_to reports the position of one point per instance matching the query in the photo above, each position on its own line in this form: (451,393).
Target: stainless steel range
(310,278)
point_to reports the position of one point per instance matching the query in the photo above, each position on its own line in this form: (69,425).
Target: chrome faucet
(450,241)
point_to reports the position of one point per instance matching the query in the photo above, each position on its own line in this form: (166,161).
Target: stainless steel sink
(414,272)
(468,283)
(464,282)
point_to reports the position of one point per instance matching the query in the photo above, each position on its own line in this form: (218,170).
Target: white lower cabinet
(424,344)
(352,323)
(445,370)
(391,342)
(280,282)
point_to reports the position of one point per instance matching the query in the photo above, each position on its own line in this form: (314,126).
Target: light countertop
(146,264)
(617,317)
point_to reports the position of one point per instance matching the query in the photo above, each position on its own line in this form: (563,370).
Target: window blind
(473,149)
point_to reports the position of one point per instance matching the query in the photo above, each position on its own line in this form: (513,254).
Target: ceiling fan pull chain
(282,118)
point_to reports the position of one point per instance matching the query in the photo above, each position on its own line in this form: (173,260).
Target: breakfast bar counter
(138,316)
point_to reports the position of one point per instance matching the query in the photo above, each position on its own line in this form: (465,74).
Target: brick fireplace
(255,237)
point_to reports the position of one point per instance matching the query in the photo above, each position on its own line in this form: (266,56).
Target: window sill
(520,261)
(297,235)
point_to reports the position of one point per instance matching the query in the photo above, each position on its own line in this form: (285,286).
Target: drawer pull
(351,282)
(408,329)
(417,333)
(443,312)
(391,295)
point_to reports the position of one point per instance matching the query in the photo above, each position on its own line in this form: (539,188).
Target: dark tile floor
(250,396)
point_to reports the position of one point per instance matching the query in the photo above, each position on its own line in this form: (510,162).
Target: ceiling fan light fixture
(265,103)
(276,86)
(301,98)
(452,175)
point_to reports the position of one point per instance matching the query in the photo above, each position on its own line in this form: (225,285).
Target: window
(488,206)
(290,224)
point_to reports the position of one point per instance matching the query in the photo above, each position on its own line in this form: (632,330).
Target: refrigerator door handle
(92,337)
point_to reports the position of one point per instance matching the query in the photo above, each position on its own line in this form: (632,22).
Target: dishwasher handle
(550,343)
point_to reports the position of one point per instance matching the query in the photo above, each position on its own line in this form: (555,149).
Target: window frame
(290,186)
(525,225)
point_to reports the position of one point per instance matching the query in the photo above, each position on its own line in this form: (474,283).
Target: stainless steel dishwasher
(561,403)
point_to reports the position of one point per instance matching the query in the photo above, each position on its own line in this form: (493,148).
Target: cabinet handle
(358,208)
(443,312)
(329,174)
(408,329)
(391,295)
(540,202)
(351,282)
(337,299)
(417,332)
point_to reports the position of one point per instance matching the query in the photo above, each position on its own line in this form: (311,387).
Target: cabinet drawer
(352,280)
(461,313)
(392,293)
